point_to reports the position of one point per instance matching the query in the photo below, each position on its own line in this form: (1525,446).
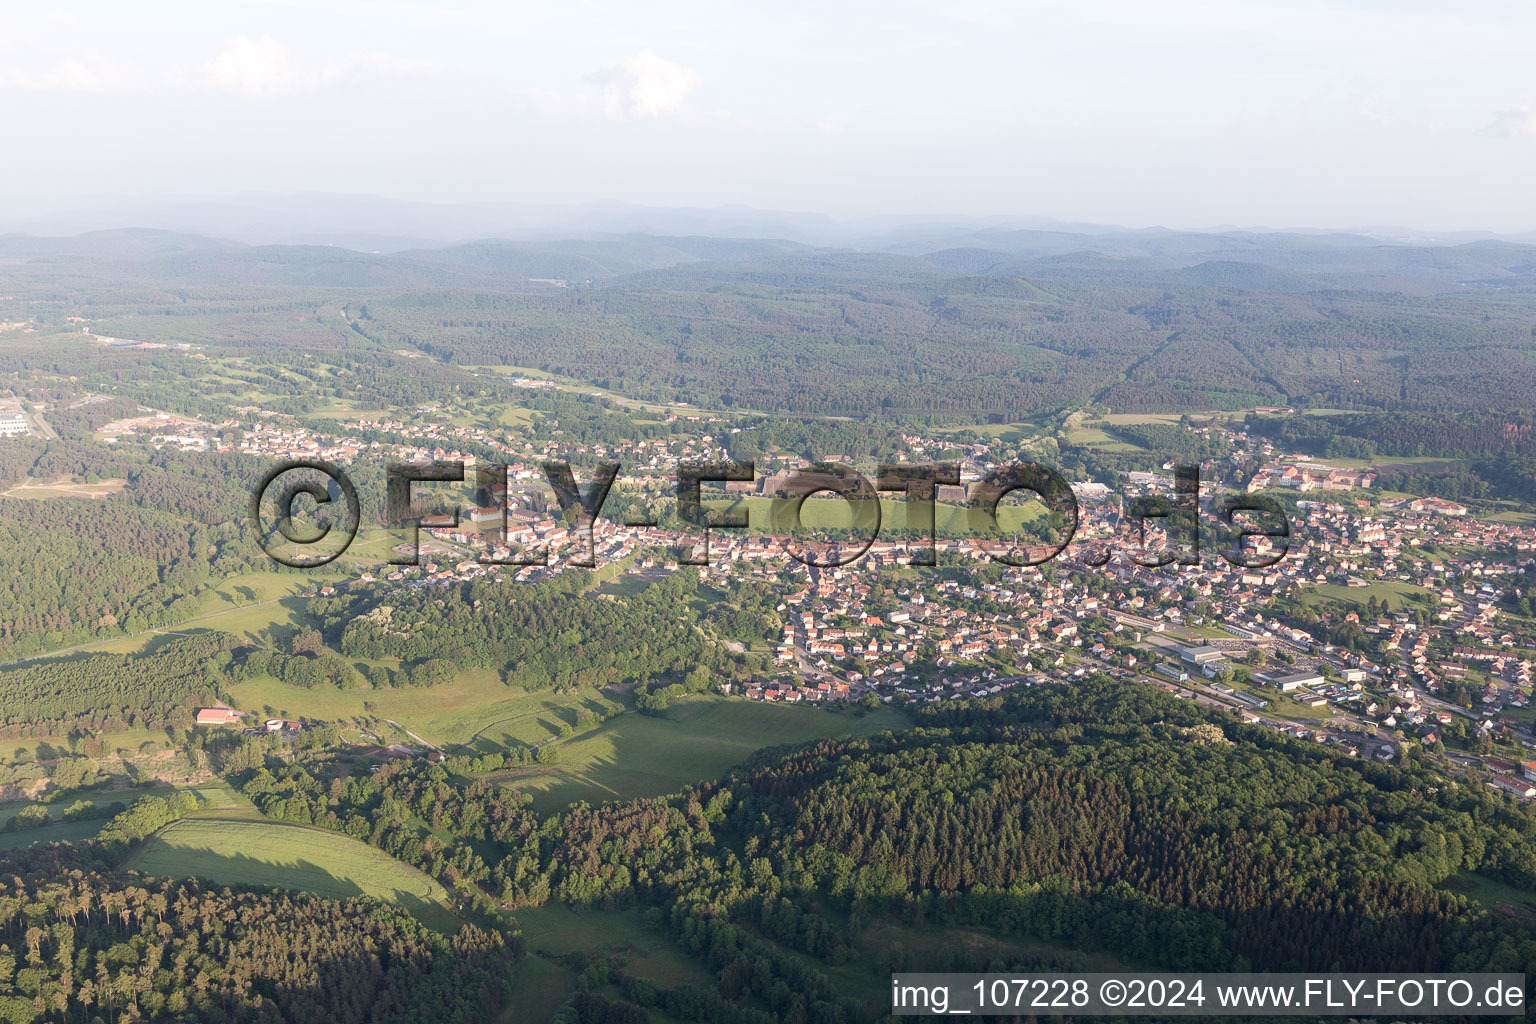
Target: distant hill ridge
(1280,262)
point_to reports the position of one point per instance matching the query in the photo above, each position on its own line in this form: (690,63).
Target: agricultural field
(698,738)
(232,851)
(1121,419)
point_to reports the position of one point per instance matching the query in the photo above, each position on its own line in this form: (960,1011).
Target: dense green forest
(787,329)
(1493,453)
(1107,816)
(109,692)
(555,634)
(75,570)
(78,942)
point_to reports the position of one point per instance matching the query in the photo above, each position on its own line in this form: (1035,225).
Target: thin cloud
(87,73)
(1512,124)
(371,66)
(254,67)
(645,85)
(832,126)
(265,67)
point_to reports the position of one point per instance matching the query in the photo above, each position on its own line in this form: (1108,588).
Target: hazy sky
(1285,113)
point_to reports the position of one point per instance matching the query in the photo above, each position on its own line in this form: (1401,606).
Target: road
(418,739)
(38,425)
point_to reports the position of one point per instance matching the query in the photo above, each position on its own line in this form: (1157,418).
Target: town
(1388,620)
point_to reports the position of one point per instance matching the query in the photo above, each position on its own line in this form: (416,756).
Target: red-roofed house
(218,716)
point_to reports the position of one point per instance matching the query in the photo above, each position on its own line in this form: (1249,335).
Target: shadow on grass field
(540,988)
(231,851)
(1492,894)
(699,738)
(219,801)
(555,929)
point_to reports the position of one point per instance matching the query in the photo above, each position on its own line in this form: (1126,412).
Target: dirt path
(66,488)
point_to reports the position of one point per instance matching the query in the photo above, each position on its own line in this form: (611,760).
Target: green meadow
(1398,595)
(699,738)
(474,708)
(219,801)
(823,513)
(232,851)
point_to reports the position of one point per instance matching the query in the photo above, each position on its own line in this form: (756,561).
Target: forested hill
(1106,819)
(1125,820)
(80,945)
(987,325)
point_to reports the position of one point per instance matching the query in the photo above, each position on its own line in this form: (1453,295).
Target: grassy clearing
(514,416)
(287,613)
(239,604)
(1026,426)
(578,387)
(627,586)
(835,514)
(470,706)
(66,488)
(1021,431)
(540,988)
(342,411)
(1388,461)
(526,719)
(1398,595)
(555,930)
(1094,437)
(700,738)
(58,832)
(1121,419)
(231,851)
(123,743)
(863,977)
(220,801)
(1491,894)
